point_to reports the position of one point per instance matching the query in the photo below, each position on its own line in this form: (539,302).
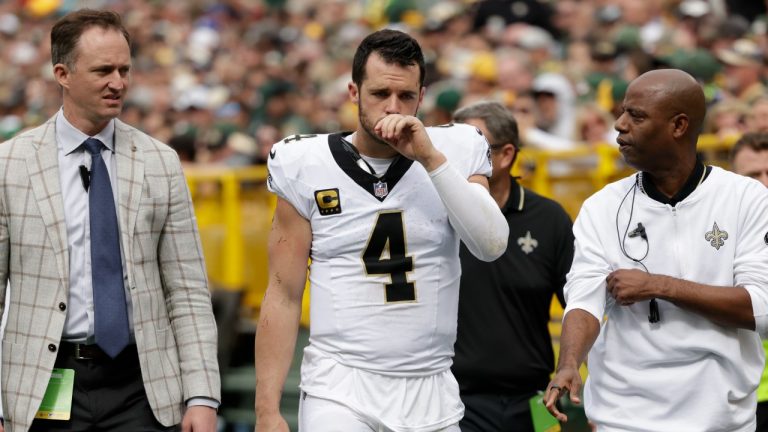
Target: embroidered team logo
(328,201)
(716,237)
(527,243)
(380,189)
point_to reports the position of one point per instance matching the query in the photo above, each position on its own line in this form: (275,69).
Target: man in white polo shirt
(749,157)
(676,259)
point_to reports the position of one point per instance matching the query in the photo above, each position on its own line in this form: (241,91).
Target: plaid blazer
(173,320)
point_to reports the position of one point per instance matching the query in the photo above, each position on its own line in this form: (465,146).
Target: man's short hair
(757,141)
(66,33)
(394,46)
(498,120)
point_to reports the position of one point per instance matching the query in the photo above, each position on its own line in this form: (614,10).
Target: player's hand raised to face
(407,135)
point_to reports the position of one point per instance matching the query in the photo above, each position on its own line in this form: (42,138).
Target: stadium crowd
(221,81)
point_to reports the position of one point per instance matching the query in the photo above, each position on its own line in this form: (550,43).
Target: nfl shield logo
(380,189)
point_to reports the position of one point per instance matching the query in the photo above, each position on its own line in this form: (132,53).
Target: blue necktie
(110,313)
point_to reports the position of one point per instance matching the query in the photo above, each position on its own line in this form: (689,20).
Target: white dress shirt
(78,327)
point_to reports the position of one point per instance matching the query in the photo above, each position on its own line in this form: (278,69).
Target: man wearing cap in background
(703,66)
(555,104)
(743,67)
(536,42)
(446,101)
(604,79)
(483,77)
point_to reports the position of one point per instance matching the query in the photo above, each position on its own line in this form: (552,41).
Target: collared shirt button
(62,306)
(51,347)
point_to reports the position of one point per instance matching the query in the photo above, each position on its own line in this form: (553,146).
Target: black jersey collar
(346,158)
(516,200)
(699,174)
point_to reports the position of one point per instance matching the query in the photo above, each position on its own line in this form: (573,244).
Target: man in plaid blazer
(168,373)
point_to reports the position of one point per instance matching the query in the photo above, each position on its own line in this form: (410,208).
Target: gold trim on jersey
(386,253)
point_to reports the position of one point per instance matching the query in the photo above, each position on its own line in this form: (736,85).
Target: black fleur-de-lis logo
(716,237)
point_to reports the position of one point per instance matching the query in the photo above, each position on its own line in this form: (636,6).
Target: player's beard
(368,126)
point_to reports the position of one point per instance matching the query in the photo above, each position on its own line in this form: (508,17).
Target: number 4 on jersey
(385,254)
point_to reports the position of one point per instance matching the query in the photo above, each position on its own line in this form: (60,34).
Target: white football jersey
(385,260)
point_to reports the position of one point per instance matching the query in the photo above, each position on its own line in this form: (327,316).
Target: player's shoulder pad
(457,134)
(295,147)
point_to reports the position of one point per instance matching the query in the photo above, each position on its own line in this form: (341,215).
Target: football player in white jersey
(380,211)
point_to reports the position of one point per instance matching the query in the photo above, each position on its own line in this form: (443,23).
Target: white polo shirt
(685,373)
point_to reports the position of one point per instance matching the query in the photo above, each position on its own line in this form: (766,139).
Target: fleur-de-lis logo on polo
(527,243)
(716,237)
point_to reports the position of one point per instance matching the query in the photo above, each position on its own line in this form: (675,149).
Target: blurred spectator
(758,115)
(594,125)
(694,18)
(606,84)
(727,119)
(483,77)
(277,105)
(746,9)
(515,72)
(452,17)
(700,63)
(646,17)
(266,136)
(743,69)
(285,63)
(523,106)
(574,19)
(730,29)
(533,12)
(603,54)
(536,42)
(236,149)
(185,146)
(555,104)
(445,104)
(749,157)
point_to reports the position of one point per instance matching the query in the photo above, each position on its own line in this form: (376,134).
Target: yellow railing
(571,176)
(234,209)
(220,201)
